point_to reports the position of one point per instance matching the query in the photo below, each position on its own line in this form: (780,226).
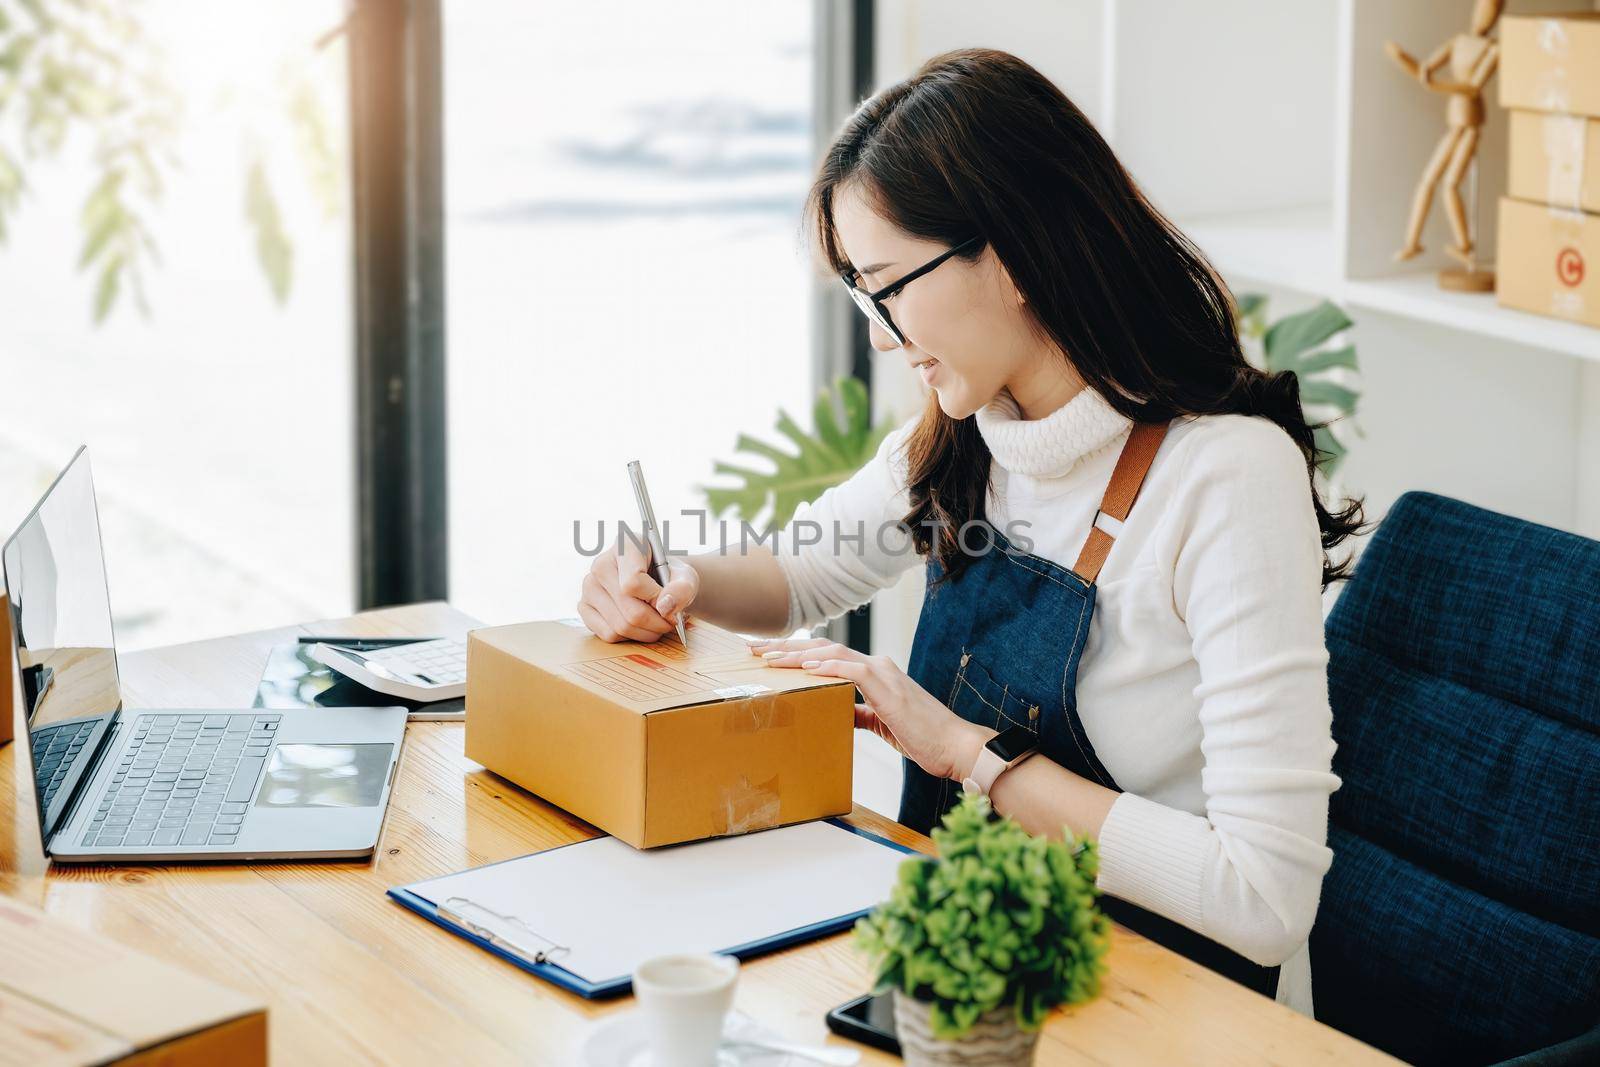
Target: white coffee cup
(684,1000)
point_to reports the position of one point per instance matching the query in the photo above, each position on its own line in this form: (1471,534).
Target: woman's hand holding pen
(622,602)
(896,708)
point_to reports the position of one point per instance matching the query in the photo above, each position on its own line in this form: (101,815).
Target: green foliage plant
(1310,343)
(1000,919)
(818,460)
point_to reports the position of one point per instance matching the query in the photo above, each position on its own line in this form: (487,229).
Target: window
(176,279)
(626,273)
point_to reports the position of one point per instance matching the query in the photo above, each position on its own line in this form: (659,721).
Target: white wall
(1223,106)
(1063,38)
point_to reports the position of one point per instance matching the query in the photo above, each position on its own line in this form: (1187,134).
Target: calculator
(423,671)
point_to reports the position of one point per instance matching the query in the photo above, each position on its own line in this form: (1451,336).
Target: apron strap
(1126,478)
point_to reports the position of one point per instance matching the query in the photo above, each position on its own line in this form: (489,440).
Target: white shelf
(1293,248)
(1418,296)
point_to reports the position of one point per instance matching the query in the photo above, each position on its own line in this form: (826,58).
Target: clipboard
(501,932)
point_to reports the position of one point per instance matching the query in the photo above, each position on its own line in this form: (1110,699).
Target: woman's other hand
(895,708)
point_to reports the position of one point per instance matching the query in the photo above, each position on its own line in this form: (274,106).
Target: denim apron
(1000,644)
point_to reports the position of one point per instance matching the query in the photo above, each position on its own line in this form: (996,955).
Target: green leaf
(1326,359)
(273,250)
(1293,335)
(1325,440)
(1299,343)
(11,182)
(105,293)
(102,199)
(814,463)
(308,116)
(16,52)
(827,423)
(36,9)
(109,225)
(1325,392)
(149,175)
(1250,312)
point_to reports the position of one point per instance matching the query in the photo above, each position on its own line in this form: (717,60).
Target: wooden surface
(352,977)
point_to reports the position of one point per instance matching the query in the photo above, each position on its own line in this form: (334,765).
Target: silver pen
(652,537)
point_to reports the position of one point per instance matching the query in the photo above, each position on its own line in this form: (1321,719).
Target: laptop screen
(55,579)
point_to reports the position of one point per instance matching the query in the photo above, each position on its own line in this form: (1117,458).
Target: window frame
(844,44)
(397,193)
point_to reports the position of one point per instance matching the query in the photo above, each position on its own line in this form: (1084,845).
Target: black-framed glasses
(871,304)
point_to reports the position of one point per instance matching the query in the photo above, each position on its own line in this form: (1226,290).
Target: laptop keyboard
(184,780)
(54,750)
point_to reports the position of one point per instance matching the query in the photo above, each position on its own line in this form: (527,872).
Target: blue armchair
(1460,921)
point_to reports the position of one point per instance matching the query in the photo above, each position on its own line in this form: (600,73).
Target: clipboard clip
(455,910)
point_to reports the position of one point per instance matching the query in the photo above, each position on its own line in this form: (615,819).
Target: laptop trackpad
(325,776)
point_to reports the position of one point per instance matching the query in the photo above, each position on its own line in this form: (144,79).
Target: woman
(1124,543)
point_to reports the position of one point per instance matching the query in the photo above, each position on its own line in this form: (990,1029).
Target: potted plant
(981,943)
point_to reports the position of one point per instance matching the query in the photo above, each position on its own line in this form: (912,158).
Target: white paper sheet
(614,906)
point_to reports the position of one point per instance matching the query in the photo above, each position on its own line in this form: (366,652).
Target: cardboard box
(71,997)
(1549,260)
(7,673)
(1551,63)
(1555,159)
(655,744)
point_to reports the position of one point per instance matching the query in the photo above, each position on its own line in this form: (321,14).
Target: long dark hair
(977,142)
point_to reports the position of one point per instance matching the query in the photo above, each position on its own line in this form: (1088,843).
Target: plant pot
(995,1040)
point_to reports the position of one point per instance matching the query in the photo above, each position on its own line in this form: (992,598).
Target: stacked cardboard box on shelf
(1549,233)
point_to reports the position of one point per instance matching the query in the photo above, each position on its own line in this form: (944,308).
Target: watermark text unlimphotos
(976,537)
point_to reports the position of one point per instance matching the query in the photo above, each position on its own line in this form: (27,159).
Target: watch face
(1014,743)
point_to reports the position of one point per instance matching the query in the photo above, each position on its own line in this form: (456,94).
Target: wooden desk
(352,977)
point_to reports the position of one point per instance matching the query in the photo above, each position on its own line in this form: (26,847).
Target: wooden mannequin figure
(1472,57)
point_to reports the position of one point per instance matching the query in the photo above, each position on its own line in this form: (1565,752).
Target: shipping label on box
(1547,260)
(658,744)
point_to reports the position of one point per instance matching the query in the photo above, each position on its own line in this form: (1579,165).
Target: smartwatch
(1002,752)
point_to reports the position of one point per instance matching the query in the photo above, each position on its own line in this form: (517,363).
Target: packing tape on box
(1554,89)
(1564,139)
(746,806)
(753,708)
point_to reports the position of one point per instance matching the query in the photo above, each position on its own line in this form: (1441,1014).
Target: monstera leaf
(1307,343)
(816,462)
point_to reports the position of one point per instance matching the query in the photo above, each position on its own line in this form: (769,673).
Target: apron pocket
(980,698)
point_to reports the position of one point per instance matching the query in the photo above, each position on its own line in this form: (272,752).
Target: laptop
(123,784)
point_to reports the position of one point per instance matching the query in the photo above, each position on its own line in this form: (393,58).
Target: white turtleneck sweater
(1203,685)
